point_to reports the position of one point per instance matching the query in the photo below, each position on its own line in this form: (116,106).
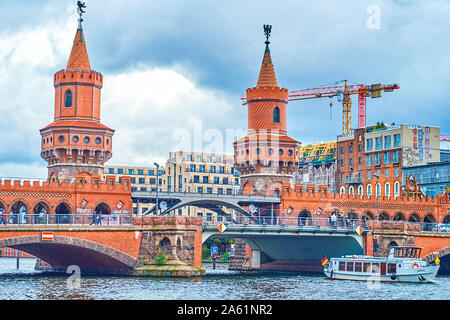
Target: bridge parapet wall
(81,195)
(297,199)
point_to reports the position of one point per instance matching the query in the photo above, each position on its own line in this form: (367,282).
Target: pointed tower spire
(79,58)
(267,77)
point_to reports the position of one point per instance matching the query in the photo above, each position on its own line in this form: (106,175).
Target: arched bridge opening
(444,257)
(62,252)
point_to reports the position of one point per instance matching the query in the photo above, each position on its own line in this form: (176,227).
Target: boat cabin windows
(368,267)
(349,266)
(403,252)
(375,267)
(392,268)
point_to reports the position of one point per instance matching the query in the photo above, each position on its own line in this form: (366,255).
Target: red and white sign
(47,236)
(359,230)
(221,227)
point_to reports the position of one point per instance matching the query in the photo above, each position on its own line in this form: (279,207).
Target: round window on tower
(280,152)
(61,139)
(75,139)
(290,152)
(86,139)
(98,140)
(270,151)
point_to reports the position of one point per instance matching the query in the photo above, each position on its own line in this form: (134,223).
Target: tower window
(68,99)
(86,140)
(75,139)
(276,115)
(98,140)
(61,138)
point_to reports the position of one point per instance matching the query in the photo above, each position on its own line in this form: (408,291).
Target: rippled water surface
(219,284)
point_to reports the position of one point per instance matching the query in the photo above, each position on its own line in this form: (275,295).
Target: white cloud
(149,108)
(145,105)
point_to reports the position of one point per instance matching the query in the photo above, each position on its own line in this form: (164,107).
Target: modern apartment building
(201,173)
(383,151)
(184,172)
(142,179)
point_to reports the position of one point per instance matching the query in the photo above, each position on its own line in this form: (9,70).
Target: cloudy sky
(174,71)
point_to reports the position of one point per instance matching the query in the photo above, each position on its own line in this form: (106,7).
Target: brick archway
(384,216)
(18,203)
(62,252)
(399,216)
(39,204)
(414,217)
(440,253)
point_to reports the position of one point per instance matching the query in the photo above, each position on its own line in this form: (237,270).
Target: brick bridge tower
(266,157)
(76,142)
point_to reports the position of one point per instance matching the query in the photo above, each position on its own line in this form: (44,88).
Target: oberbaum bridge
(278,225)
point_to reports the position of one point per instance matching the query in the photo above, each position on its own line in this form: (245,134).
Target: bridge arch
(166,246)
(2,205)
(414,217)
(384,216)
(399,216)
(444,257)
(91,257)
(18,203)
(39,205)
(63,205)
(207,202)
(446,219)
(368,215)
(429,218)
(304,216)
(352,214)
(103,207)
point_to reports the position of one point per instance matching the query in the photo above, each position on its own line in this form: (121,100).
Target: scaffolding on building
(318,153)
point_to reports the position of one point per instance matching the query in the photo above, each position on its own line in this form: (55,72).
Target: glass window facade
(369,144)
(396,140)
(432,178)
(378,143)
(387,142)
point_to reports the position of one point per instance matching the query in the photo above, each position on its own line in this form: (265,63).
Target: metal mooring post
(214,260)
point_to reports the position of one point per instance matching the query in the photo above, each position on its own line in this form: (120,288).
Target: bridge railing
(310,223)
(66,219)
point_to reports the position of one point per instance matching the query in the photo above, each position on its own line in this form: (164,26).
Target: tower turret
(266,157)
(76,141)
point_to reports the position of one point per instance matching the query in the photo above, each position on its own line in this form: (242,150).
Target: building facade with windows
(383,151)
(141,179)
(193,172)
(432,179)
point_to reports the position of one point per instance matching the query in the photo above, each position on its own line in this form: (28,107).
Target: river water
(219,284)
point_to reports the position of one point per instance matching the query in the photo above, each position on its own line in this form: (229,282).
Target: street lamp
(157,187)
(376,191)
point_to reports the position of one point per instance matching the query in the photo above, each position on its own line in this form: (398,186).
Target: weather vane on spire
(80,11)
(267,31)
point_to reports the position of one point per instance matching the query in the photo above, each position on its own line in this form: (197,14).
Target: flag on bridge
(324,261)
(47,236)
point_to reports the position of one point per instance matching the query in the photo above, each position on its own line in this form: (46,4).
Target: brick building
(382,151)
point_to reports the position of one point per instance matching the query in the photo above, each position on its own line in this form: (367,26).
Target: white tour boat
(402,265)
